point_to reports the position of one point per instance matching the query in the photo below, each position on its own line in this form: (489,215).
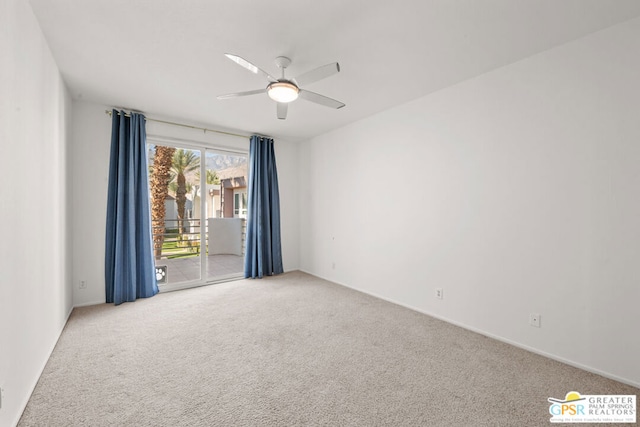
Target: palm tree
(212,177)
(184,161)
(159,186)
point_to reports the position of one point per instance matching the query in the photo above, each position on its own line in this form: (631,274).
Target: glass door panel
(226,176)
(174,184)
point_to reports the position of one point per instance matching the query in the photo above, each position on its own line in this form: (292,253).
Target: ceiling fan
(284,90)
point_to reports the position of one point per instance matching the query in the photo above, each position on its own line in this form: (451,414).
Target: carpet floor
(291,350)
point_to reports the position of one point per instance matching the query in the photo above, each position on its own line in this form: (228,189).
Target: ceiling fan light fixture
(283,91)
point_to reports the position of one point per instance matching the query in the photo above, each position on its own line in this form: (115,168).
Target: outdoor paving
(187,269)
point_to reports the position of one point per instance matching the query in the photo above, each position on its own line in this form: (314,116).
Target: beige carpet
(287,351)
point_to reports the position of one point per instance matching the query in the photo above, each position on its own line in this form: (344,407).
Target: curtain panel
(263,247)
(129,264)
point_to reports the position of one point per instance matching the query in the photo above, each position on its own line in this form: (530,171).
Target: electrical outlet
(83,284)
(534,320)
(333,265)
(439,293)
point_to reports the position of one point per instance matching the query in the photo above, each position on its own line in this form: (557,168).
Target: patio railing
(185,242)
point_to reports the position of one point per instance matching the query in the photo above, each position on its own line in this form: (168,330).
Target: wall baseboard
(490,335)
(86,304)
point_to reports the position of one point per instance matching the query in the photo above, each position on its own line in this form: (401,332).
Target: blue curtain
(263,249)
(129,264)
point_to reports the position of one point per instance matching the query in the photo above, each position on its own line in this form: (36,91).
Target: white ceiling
(165,57)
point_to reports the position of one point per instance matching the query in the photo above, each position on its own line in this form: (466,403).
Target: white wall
(90,165)
(91,139)
(516,192)
(288,185)
(35,262)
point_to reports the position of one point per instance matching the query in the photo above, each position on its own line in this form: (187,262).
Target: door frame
(202,148)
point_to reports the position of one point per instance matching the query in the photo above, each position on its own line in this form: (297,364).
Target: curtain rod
(191,127)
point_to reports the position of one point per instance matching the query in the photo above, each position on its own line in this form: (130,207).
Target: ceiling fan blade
(249,66)
(317,74)
(320,99)
(239,94)
(282,110)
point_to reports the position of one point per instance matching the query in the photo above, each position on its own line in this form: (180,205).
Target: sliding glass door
(198,218)
(226,177)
